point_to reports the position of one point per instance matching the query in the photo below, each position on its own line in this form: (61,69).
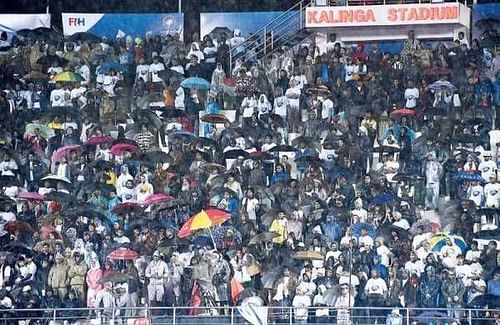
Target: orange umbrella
(205,219)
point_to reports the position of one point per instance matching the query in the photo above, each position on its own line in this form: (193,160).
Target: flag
(196,299)
(236,290)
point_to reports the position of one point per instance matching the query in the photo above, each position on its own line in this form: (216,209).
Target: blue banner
(135,25)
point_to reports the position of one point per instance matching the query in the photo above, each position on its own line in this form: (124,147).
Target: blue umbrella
(106,67)
(356,229)
(396,132)
(195,83)
(436,86)
(468,177)
(383,198)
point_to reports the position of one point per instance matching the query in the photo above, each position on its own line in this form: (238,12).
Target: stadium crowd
(151,172)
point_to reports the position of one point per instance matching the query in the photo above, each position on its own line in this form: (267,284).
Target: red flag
(236,290)
(196,299)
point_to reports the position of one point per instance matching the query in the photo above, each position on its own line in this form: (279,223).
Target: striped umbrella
(68,76)
(438,241)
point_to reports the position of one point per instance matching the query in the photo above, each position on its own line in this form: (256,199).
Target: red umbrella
(123,254)
(157,198)
(17,226)
(437,71)
(120,148)
(403,112)
(125,207)
(64,152)
(31,196)
(98,139)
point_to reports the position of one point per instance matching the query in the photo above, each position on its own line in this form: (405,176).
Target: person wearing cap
(156,272)
(453,291)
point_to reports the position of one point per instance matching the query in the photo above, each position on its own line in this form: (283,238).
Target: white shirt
(376,286)
(280,105)
(384,252)
(154,68)
(248,106)
(84,71)
(487,169)
(419,239)
(142,72)
(403,223)
(327,109)
(366,240)
(411,96)
(293,95)
(415,267)
(7,168)
(492,194)
(57,97)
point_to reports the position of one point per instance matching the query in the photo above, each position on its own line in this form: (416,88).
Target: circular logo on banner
(168,22)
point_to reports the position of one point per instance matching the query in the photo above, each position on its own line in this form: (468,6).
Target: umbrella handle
(212,236)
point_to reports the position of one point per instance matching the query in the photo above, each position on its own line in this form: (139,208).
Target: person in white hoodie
(487,167)
(264,107)
(301,302)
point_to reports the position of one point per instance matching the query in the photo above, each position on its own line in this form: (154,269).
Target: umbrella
(188,136)
(214,118)
(383,199)
(428,226)
(307,140)
(125,207)
(17,226)
(277,119)
(59,197)
(156,157)
(35,75)
(195,83)
(157,198)
(438,241)
(68,76)
(64,152)
(169,112)
(387,230)
(98,139)
(356,229)
(486,300)
(321,90)
(488,234)
(430,317)
(217,32)
(490,214)
(88,210)
(17,248)
(7,181)
(205,219)
(84,36)
(120,148)
(101,164)
(35,196)
(308,255)
(123,254)
(468,177)
(436,86)
(209,167)
(56,179)
(260,155)
(169,74)
(398,113)
(406,177)
(465,138)
(44,130)
(386,149)
(234,154)
(262,238)
(283,148)
(115,277)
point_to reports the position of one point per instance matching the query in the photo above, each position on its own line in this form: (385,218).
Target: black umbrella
(400,177)
(277,119)
(486,300)
(283,148)
(61,197)
(156,157)
(17,248)
(309,141)
(386,149)
(7,181)
(84,36)
(85,210)
(170,75)
(147,117)
(465,138)
(488,234)
(207,142)
(170,112)
(387,230)
(234,154)
(101,164)
(217,32)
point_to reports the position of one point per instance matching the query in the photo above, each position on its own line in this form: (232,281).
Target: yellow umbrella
(68,76)
(205,219)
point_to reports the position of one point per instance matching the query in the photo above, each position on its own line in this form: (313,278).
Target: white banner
(77,23)
(24,21)
(384,15)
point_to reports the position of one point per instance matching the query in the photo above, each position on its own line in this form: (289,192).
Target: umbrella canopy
(156,157)
(436,86)
(383,199)
(126,207)
(123,254)
(260,155)
(120,148)
(438,241)
(157,198)
(488,234)
(308,255)
(398,113)
(169,112)
(34,196)
(68,76)
(262,238)
(465,138)
(406,177)
(183,135)
(98,139)
(115,277)
(43,130)
(6,181)
(59,197)
(283,148)
(84,36)
(234,154)
(203,220)
(387,230)
(56,178)
(64,152)
(468,177)
(437,71)
(35,75)
(209,167)
(214,118)
(386,149)
(195,83)
(277,119)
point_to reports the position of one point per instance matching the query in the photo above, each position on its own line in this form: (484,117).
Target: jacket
(76,274)
(453,287)
(58,275)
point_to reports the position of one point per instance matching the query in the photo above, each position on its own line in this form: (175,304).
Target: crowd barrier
(260,315)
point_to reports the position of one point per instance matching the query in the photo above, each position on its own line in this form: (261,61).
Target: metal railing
(264,39)
(235,315)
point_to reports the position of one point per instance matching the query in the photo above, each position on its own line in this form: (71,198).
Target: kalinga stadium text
(330,16)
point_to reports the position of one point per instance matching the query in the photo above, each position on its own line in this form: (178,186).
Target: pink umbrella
(31,196)
(402,112)
(157,198)
(64,151)
(98,139)
(120,148)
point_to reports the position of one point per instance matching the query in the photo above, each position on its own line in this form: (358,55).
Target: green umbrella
(44,130)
